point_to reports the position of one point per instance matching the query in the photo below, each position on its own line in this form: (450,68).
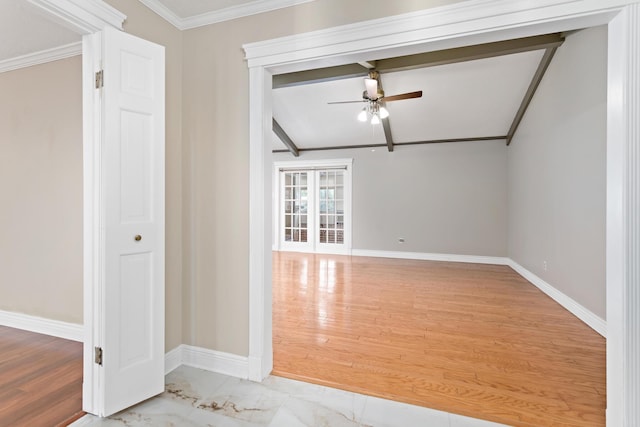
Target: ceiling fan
(373,95)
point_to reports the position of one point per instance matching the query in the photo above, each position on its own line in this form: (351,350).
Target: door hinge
(98,356)
(99,79)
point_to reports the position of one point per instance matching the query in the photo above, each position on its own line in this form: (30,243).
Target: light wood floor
(476,340)
(40,379)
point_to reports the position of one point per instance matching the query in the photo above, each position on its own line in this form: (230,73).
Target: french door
(314,209)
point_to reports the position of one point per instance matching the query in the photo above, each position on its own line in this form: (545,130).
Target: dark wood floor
(40,379)
(476,340)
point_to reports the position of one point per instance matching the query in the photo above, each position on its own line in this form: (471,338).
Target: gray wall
(441,198)
(557,176)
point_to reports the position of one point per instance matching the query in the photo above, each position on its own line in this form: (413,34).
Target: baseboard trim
(40,325)
(594,321)
(475,259)
(215,361)
(173,359)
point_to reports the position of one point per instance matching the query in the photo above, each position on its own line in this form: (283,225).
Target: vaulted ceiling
(472,93)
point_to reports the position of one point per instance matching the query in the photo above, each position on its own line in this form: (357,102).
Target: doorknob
(138,238)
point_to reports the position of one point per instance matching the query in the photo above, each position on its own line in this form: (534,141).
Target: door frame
(86,18)
(461,24)
(345,249)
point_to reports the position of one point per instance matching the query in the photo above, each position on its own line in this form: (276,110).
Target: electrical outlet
(544,265)
(400,239)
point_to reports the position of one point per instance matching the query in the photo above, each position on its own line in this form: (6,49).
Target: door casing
(463,24)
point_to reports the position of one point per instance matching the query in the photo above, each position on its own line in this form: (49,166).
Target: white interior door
(128,202)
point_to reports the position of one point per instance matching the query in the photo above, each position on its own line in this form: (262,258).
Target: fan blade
(408,95)
(372,88)
(344,102)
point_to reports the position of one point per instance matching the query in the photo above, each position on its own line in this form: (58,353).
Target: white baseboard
(56,328)
(173,359)
(592,320)
(210,360)
(476,259)
(255,369)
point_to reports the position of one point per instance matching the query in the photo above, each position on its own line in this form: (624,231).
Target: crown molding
(41,57)
(82,16)
(164,12)
(247,9)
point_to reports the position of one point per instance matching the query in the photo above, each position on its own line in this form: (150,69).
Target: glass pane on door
(331,206)
(295,205)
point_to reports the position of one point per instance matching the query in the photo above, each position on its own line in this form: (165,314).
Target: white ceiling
(25,30)
(469,99)
(189,8)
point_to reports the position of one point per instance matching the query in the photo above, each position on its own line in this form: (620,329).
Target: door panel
(135,285)
(135,151)
(331,191)
(133,184)
(295,208)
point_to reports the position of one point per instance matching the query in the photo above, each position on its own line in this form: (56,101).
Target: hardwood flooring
(476,340)
(40,379)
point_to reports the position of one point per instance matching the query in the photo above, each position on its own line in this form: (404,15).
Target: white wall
(557,174)
(441,198)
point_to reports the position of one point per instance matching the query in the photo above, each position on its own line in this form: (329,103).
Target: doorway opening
(268,58)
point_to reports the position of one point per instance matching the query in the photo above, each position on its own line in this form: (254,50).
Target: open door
(124,237)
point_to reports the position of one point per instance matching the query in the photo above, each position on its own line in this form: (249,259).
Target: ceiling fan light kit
(373,112)
(372,88)
(373,96)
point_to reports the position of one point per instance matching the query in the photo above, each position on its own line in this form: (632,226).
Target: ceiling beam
(470,53)
(319,75)
(442,141)
(430,141)
(421,60)
(385,122)
(528,96)
(291,147)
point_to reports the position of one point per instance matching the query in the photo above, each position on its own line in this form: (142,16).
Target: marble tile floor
(195,397)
